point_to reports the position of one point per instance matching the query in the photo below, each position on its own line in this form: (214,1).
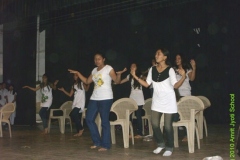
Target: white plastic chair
(5,113)
(207,104)
(66,108)
(147,117)
(123,108)
(188,107)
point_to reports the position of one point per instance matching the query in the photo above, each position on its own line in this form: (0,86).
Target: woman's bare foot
(45,131)
(93,147)
(138,136)
(102,149)
(79,133)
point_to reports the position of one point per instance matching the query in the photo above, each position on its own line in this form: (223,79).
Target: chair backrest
(7,110)
(120,106)
(68,106)
(185,104)
(147,106)
(205,101)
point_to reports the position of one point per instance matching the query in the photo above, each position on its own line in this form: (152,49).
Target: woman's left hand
(193,63)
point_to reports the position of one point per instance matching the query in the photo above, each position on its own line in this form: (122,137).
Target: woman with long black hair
(46,90)
(78,89)
(137,95)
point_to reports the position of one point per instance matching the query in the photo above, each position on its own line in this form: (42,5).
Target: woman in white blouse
(163,79)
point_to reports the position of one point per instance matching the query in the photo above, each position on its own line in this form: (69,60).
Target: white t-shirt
(46,96)
(11,96)
(137,93)
(102,83)
(185,88)
(79,97)
(3,93)
(164,99)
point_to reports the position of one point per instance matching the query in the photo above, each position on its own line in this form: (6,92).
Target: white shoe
(167,153)
(157,150)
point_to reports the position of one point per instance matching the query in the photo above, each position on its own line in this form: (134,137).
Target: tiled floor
(28,144)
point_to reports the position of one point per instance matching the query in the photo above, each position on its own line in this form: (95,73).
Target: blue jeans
(168,128)
(138,114)
(103,108)
(43,113)
(76,117)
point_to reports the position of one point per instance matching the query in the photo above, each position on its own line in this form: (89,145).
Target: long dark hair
(185,65)
(136,84)
(48,84)
(78,82)
(13,91)
(167,54)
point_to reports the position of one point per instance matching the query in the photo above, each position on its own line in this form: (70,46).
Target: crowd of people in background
(167,84)
(8,95)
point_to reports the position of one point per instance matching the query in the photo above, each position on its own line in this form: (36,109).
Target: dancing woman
(78,89)
(46,90)
(163,79)
(101,100)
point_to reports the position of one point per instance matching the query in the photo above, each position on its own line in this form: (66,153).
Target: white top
(11,96)
(102,83)
(137,93)
(79,97)
(3,93)
(185,88)
(46,96)
(164,99)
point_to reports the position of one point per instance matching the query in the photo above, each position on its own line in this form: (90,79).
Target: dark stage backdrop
(20,66)
(134,36)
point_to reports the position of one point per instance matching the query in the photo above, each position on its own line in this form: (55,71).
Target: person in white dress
(101,100)
(3,94)
(163,79)
(46,90)
(78,89)
(11,98)
(137,95)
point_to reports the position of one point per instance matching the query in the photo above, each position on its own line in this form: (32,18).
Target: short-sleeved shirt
(79,97)
(136,93)
(164,99)
(185,88)
(102,83)
(46,96)
(11,96)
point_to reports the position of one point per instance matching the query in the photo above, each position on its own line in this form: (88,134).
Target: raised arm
(192,74)
(83,79)
(180,82)
(116,77)
(65,92)
(31,88)
(54,85)
(86,87)
(139,79)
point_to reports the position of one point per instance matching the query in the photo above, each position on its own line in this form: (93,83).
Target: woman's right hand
(73,71)
(61,89)
(25,87)
(133,71)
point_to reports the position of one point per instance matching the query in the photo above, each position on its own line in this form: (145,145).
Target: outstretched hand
(120,72)
(56,82)
(61,89)
(25,87)
(72,71)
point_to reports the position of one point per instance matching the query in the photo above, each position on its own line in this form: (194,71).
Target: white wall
(1,53)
